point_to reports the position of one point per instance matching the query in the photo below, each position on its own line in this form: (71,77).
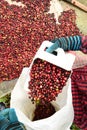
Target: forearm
(83,47)
(80,60)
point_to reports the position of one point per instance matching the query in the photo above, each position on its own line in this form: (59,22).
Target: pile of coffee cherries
(23,29)
(46,81)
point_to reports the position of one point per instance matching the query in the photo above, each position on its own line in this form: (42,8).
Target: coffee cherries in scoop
(46,81)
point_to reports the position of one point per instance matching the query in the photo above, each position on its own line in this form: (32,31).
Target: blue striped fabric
(66,43)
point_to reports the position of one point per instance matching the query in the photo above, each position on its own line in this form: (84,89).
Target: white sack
(63,117)
(61,120)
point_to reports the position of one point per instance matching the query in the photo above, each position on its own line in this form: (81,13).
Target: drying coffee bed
(23,29)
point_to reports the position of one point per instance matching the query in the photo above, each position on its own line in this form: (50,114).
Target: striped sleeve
(66,43)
